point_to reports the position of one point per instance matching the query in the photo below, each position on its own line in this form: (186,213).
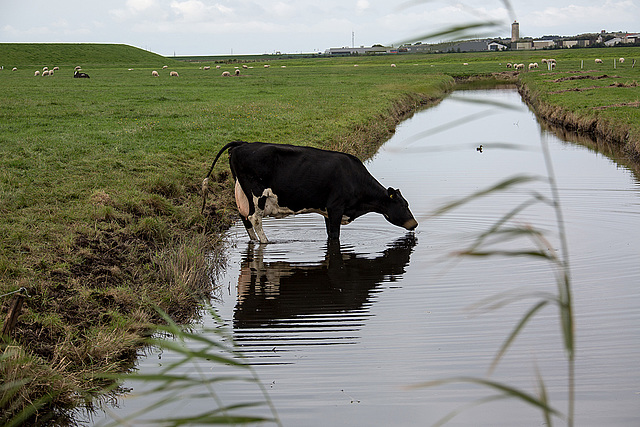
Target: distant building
(495,46)
(541,44)
(515,31)
(522,45)
(347,51)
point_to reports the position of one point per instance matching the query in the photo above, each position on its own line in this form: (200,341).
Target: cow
(79,75)
(280,179)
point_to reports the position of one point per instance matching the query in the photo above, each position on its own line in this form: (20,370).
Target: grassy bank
(599,99)
(100,178)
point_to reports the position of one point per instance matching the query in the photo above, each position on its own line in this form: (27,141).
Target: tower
(515,31)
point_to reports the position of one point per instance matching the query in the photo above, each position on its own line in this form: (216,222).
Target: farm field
(100,178)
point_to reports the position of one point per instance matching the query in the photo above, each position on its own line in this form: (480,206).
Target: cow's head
(396,210)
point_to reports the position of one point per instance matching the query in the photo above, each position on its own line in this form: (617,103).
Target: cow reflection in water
(272,294)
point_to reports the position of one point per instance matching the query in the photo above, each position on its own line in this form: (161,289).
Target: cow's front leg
(332,223)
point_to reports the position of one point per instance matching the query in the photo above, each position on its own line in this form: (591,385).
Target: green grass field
(100,178)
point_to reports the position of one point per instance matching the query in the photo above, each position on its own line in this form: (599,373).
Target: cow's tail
(205,182)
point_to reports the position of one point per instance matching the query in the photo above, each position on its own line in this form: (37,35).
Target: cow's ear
(391,192)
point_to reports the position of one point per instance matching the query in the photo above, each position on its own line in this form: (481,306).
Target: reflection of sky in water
(412,324)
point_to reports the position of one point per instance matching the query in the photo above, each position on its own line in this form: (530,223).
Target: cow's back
(301,177)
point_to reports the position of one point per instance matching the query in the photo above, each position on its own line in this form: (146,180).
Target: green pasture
(100,178)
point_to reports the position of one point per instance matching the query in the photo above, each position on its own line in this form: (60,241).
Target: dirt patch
(584,77)
(582,89)
(626,104)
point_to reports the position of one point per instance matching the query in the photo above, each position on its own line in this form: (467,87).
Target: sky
(220,27)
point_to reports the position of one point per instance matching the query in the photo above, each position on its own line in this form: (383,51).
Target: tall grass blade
(514,333)
(500,186)
(508,391)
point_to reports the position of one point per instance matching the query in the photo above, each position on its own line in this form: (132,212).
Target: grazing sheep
(267,65)
(56,68)
(283,66)
(237,73)
(217,67)
(465,63)
(393,65)
(519,67)
(51,72)
(355,65)
(226,74)
(37,73)
(509,65)
(598,61)
(207,67)
(174,74)
(533,65)
(621,60)
(245,66)
(45,68)
(79,75)
(45,73)
(15,69)
(154,73)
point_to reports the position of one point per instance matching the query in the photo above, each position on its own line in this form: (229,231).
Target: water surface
(337,333)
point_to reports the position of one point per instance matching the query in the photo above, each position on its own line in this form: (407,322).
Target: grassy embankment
(99,187)
(99,178)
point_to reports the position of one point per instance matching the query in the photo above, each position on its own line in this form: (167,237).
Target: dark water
(338,333)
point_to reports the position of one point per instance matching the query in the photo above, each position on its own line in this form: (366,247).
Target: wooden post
(12,316)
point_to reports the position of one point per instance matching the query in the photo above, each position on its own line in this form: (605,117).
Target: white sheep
(45,68)
(267,65)
(56,68)
(207,67)
(598,61)
(393,65)
(217,67)
(509,65)
(37,73)
(174,74)
(14,69)
(237,72)
(465,63)
(50,72)
(154,73)
(245,66)
(164,67)
(621,60)
(226,74)
(45,73)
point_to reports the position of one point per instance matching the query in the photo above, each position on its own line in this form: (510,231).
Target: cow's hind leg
(256,222)
(256,218)
(249,227)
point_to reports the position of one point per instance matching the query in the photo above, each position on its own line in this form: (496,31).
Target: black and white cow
(79,75)
(279,180)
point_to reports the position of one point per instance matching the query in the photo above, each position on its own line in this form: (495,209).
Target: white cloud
(362,6)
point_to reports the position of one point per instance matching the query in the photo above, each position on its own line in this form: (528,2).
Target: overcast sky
(208,27)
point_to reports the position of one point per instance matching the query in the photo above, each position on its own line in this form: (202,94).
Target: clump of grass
(190,378)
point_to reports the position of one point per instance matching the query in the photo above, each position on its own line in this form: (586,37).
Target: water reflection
(281,303)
